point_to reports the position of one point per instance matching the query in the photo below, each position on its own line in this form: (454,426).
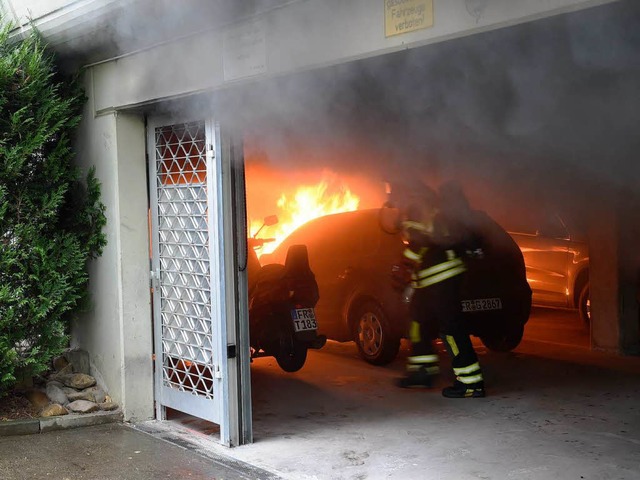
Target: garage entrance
(460,110)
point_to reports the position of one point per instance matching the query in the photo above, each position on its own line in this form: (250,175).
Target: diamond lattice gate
(186,268)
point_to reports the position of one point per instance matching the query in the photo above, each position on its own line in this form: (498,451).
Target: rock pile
(70,389)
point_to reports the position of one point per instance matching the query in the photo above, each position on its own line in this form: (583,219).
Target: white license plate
(304,319)
(481,305)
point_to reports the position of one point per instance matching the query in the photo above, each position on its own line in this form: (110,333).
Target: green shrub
(50,221)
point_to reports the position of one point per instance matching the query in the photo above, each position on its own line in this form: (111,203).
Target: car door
(332,249)
(546,257)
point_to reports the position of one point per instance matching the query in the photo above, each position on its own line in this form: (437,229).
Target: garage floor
(554,410)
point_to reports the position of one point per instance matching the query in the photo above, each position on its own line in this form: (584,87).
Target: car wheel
(372,334)
(504,341)
(584,305)
(293,358)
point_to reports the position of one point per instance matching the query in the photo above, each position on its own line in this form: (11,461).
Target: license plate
(481,305)
(304,319)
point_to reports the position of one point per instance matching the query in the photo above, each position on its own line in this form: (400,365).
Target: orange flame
(305,204)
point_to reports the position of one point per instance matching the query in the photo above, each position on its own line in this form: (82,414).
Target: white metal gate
(187,269)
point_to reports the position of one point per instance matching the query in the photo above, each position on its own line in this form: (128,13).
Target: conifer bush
(50,220)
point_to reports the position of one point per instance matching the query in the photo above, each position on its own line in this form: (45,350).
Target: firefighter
(433,260)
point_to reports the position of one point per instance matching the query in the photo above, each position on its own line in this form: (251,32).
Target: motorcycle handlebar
(258,242)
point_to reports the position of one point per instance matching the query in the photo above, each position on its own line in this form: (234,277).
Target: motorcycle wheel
(293,358)
(504,341)
(372,334)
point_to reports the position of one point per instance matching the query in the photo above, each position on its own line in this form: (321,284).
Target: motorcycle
(282,300)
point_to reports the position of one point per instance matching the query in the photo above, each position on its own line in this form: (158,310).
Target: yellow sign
(403,16)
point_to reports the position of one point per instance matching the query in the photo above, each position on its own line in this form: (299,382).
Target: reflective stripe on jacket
(432,264)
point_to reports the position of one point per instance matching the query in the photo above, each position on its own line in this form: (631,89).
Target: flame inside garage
(299,195)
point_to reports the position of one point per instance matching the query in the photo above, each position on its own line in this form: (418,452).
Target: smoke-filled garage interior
(244,133)
(535,122)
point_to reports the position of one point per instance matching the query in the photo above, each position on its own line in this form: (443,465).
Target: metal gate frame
(192,371)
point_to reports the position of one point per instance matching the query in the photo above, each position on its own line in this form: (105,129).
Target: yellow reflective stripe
(414,332)
(421,227)
(413,367)
(470,380)
(453,345)
(474,367)
(433,370)
(423,359)
(411,255)
(439,268)
(439,277)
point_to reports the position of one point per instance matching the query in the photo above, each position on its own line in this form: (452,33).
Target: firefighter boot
(462,390)
(416,379)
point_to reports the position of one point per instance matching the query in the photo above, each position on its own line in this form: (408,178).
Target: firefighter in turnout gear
(433,261)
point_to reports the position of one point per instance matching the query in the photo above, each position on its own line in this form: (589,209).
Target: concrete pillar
(603,274)
(117,330)
(614,237)
(136,325)
(629,276)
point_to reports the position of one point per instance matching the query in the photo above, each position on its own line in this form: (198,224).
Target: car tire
(504,341)
(584,304)
(372,333)
(293,358)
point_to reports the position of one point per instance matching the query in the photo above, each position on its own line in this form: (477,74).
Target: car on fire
(352,257)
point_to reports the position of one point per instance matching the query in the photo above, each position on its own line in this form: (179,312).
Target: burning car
(352,257)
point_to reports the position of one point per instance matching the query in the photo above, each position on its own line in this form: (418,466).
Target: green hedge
(50,221)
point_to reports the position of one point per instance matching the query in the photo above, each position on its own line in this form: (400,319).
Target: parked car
(352,258)
(557,263)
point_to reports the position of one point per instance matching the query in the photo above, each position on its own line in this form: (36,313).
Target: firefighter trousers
(436,310)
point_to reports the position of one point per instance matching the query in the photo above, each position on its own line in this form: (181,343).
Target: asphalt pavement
(113,452)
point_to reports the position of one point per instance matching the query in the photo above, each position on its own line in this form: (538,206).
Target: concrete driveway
(554,411)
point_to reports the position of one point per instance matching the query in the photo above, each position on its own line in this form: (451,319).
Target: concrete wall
(117,332)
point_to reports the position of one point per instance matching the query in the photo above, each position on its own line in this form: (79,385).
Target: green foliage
(50,221)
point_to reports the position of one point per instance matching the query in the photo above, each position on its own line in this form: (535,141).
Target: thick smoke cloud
(543,112)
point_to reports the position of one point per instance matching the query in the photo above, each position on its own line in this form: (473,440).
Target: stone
(37,398)
(79,359)
(68,370)
(56,395)
(98,393)
(108,406)
(56,383)
(59,363)
(79,381)
(82,395)
(53,410)
(83,406)
(68,390)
